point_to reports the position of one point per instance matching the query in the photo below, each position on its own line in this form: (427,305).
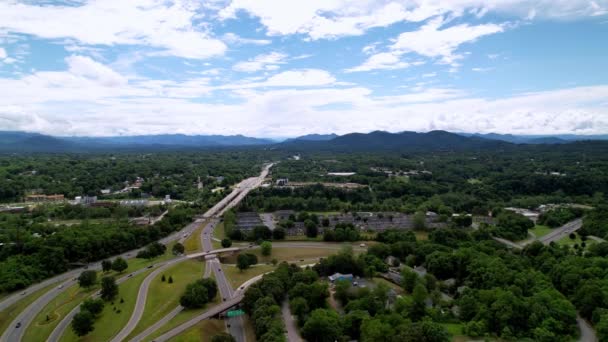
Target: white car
(362,245)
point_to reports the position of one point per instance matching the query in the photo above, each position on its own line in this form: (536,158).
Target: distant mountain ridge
(11,141)
(403,141)
(16,142)
(537,139)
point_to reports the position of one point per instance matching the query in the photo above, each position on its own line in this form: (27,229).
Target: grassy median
(115,315)
(163,297)
(238,277)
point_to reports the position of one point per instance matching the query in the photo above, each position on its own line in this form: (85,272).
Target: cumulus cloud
(321,19)
(3,54)
(428,41)
(269,61)
(166,25)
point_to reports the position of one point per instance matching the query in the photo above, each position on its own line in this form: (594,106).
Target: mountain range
(23,142)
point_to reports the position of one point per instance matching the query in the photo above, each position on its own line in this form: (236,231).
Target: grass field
(110,321)
(8,315)
(56,310)
(567,241)
(193,242)
(202,332)
(164,297)
(236,277)
(540,231)
(219,232)
(182,317)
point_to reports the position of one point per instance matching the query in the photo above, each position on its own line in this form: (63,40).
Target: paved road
(224,286)
(587,332)
(290,323)
(268,220)
(27,316)
(565,230)
(507,243)
(65,322)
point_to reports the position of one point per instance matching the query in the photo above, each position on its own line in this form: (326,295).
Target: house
(339,276)
(106,191)
(282,181)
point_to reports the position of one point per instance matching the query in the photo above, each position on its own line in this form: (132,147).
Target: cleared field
(567,241)
(164,297)
(421,235)
(236,277)
(219,232)
(202,332)
(8,315)
(115,315)
(56,310)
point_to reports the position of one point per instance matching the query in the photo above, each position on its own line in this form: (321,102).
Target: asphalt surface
(290,323)
(565,230)
(587,332)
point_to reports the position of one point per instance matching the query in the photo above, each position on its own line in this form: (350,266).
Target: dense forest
(175,174)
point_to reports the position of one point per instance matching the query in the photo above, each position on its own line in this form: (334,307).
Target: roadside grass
(540,231)
(202,332)
(249,329)
(567,241)
(182,317)
(193,242)
(111,321)
(163,297)
(219,232)
(236,277)
(8,315)
(56,310)
(474,181)
(304,238)
(68,299)
(287,254)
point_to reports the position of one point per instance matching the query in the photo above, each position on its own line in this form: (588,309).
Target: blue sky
(284,68)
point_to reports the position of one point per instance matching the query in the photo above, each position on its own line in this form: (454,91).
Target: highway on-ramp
(565,230)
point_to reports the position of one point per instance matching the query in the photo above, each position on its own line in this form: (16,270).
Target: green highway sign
(234,313)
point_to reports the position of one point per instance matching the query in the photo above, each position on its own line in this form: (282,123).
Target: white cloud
(3,54)
(323,19)
(166,25)
(431,41)
(381,61)
(232,38)
(306,77)
(269,61)
(428,41)
(88,68)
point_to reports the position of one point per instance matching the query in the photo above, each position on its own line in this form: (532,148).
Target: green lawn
(182,317)
(237,277)
(566,241)
(193,242)
(398,289)
(8,315)
(455,329)
(164,297)
(540,231)
(202,332)
(110,321)
(56,310)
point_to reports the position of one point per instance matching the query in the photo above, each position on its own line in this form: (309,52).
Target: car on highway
(18,325)
(130,275)
(60,286)
(150,266)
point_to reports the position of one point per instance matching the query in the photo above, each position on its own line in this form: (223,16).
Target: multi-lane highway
(24,319)
(565,230)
